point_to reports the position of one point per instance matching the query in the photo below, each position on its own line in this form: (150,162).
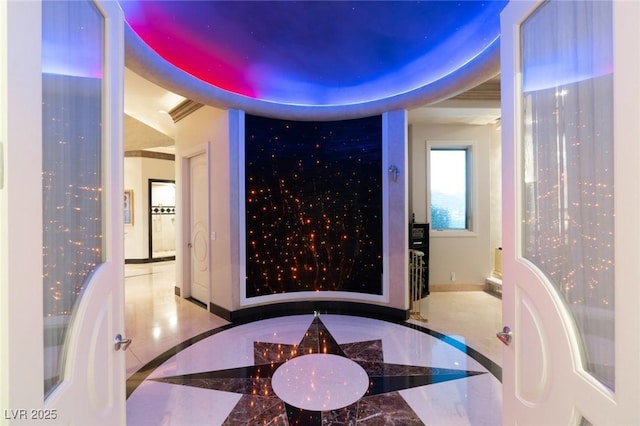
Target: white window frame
(472,183)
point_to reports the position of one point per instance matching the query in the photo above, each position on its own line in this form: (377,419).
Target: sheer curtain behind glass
(568,218)
(72,43)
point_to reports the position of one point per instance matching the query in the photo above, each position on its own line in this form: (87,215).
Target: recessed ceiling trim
(150,154)
(184,109)
(488,91)
(143,60)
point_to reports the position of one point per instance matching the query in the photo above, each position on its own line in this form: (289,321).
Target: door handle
(505,336)
(189,245)
(121,343)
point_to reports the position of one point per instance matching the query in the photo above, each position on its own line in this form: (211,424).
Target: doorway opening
(162,219)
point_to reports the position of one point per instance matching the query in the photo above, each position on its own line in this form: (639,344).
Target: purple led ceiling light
(317,54)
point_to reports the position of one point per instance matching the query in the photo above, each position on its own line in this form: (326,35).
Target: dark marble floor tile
(383,383)
(300,417)
(250,380)
(267,353)
(386,410)
(346,416)
(370,350)
(257,410)
(318,340)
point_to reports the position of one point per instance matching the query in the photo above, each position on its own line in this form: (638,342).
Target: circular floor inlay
(320,382)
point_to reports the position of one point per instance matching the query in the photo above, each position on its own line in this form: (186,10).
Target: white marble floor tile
(155,318)
(410,375)
(473,317)
(221,374)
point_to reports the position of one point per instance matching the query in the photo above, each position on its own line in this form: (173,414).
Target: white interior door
(199,227)
(571,237)
(62,213)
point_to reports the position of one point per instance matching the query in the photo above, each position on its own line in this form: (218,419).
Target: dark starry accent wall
(313,205)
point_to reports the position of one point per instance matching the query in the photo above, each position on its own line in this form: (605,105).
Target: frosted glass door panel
(72,55)
(567,149)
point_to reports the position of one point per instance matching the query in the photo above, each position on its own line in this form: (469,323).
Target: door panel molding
(533,380)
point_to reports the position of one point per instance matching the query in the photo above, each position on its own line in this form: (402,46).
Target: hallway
(186,366)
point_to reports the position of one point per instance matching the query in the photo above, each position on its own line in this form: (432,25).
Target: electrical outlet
(453,276)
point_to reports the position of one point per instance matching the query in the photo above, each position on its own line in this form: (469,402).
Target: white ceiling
(454,111)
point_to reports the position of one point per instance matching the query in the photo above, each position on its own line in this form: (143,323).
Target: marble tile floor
(472,317)
(155,319)
(186,366)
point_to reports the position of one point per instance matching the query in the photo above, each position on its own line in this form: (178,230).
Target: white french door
(61,213)
(571,236)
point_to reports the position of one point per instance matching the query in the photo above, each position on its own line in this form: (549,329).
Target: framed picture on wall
(128,207)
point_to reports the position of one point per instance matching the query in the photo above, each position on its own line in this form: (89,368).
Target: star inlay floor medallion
(356,371)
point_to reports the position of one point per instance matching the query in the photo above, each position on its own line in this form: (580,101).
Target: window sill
(445,233)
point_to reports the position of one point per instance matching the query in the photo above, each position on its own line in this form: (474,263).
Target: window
(450,177)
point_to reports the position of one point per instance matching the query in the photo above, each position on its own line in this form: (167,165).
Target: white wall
(137,172)
(135,246)
(469,257)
